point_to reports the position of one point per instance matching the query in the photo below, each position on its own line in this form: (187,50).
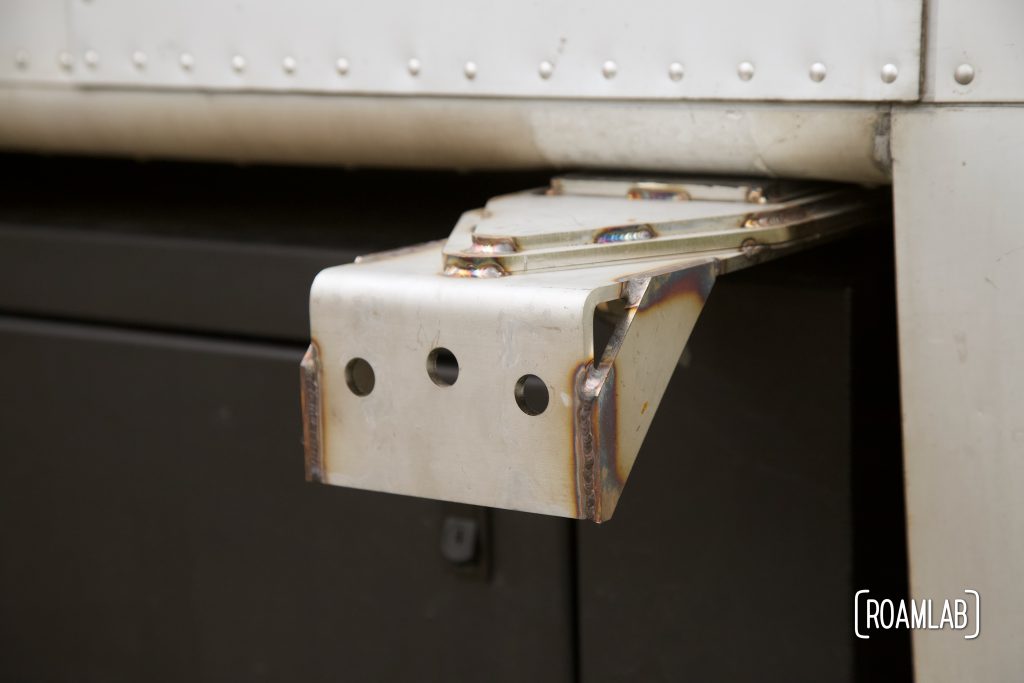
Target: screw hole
(359,376)
(442,367)
(532,394)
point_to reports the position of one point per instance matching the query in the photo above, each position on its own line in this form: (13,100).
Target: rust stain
(312,414)
(643,408)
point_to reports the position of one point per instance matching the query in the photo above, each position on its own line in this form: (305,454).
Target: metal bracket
(520,363)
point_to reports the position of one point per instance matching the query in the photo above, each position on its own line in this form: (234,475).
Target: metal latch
(519,363)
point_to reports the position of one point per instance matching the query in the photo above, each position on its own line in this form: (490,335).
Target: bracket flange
(513,297)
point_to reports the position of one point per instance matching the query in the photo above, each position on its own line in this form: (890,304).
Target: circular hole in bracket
(532,394)
(443,367)
(359,377)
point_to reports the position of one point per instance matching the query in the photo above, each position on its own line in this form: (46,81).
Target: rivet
(187,61)
(92,59)
(21,59)
(470,70)
(818,72)
(545,69)
(609,69)
(65,60)
(414,67)
(675,71)
(341,66)
(139,59)
(238,63)
(289,64)
(964,74)
(889,73)
(745,70)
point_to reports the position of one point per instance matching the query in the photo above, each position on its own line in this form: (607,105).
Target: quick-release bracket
(519,363)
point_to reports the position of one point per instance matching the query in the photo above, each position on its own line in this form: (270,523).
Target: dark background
(156,525)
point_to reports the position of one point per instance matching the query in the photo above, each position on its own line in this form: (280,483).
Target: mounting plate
(469,370)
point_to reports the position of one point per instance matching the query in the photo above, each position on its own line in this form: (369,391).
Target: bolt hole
(442,367)
(532,394)
(359,376)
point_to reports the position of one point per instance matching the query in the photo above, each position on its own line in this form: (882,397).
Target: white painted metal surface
(828,141)
(34,37)
(960,278)
(731,49)
(974,51)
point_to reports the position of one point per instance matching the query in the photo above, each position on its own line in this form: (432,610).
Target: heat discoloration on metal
(312,422)
(523,302)
(478,268)
(582,222)
(768,219)
(584,457)
(625,233)
(695,282)
(597,453)
(493,245)
(595,437)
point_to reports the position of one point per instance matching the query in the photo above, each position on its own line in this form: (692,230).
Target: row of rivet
(963,74)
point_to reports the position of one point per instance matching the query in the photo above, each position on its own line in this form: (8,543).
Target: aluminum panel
(733,49)
(34,42)
(975,53)
(960,277)
(838,141)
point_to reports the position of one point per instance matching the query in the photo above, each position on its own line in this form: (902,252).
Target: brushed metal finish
(512,295)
